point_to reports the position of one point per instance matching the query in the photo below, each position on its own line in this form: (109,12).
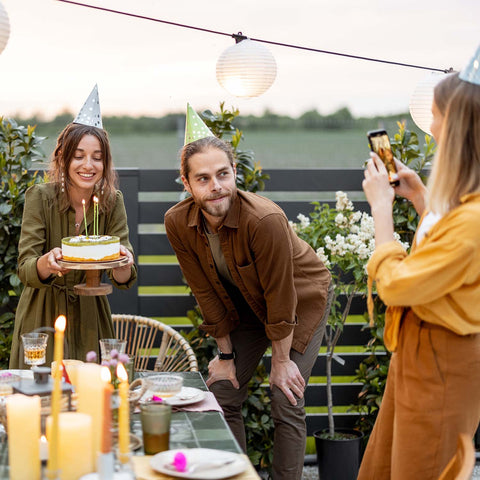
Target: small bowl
(6,381)
(164,385)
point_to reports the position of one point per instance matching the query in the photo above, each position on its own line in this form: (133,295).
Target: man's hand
(222,370)
(286,376)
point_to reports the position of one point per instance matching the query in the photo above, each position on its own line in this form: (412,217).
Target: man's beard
(221,209)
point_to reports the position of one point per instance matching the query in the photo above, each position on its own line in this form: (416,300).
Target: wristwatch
(225,356)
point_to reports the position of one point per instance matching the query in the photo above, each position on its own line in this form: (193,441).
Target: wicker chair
(462,463)
(145,336)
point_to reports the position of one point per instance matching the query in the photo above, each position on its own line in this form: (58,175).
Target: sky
(57,52)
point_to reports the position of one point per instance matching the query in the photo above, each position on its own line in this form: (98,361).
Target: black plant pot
(338,459)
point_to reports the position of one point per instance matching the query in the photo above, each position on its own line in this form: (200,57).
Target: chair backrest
(462,464)
(154,345)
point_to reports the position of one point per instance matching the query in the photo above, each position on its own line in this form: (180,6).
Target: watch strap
(226,356)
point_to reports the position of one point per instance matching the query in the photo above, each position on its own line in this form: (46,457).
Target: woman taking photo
(433,318)
(81,167)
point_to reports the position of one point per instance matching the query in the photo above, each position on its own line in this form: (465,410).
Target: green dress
(88,317)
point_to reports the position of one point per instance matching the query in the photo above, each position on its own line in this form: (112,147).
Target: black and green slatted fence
(161,293)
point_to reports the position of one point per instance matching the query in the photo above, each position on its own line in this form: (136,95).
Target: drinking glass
(34,348)
(155,418)
(109,344)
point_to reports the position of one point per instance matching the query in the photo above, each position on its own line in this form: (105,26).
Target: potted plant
(344,240)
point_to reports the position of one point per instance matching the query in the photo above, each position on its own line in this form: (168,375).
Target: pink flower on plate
(180,462)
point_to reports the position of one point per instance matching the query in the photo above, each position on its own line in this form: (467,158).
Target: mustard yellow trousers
(432,394)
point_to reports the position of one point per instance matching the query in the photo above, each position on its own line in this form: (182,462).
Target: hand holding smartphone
(380,144)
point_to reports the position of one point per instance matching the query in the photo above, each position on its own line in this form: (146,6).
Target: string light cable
(239,37)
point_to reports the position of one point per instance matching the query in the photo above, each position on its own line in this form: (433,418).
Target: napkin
(208,404)
(143,470)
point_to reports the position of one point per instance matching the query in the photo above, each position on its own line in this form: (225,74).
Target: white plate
(159,461)
(186,396)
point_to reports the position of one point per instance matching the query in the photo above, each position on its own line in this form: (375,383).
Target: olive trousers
(432,394)
(250,343)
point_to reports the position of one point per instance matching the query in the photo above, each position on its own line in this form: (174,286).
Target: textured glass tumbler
(155,418)
(107,345)
(34,348)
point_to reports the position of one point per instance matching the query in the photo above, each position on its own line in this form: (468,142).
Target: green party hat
(195,128)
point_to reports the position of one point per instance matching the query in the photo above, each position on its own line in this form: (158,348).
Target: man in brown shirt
(257,285)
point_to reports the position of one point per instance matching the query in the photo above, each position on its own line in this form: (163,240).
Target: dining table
(193,426)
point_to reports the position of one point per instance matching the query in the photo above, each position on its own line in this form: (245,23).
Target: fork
(201,466)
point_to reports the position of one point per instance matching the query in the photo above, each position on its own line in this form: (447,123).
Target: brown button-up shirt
(278,274)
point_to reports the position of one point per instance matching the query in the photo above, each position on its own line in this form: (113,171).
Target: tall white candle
(23,425)
(90,388)
(75,450)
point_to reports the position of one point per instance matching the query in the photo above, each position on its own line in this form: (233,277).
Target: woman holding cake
(81,169)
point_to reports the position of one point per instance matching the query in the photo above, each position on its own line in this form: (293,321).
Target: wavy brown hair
(456,169)
(67,143)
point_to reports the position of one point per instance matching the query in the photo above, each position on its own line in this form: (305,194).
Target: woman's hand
(411,187)
(380,195)
(47,264)
(379,192)
(122,274)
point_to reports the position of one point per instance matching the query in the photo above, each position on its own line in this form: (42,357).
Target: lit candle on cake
(53,444)
(95,215)
(84,217)
(123,416)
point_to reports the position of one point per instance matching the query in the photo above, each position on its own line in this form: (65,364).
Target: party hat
(90,112)
(195,129)
(471,73)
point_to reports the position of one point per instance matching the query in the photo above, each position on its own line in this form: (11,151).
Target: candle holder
(42,385)
(92,285)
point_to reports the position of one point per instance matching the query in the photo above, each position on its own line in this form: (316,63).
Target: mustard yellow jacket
(439,280)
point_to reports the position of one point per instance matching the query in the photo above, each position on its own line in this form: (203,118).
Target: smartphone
(380,144)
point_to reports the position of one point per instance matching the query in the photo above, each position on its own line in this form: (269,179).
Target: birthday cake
(94,248)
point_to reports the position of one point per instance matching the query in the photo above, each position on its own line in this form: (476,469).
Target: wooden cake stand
(92,285)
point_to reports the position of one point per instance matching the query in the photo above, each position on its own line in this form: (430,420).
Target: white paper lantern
(4,28)
(246,69)
(421,101)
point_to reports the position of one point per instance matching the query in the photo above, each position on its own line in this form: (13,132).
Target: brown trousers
(432,395)
(250,342)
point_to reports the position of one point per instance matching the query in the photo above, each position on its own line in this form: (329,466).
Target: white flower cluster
(343,203)
(355,233)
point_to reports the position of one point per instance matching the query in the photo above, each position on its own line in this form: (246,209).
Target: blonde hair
(456,169)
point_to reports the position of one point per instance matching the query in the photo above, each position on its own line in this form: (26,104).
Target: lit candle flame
(121,372)
(95,215)
(60,323)
(105,374)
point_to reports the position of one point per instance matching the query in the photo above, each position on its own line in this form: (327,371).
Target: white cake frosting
(94,248)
